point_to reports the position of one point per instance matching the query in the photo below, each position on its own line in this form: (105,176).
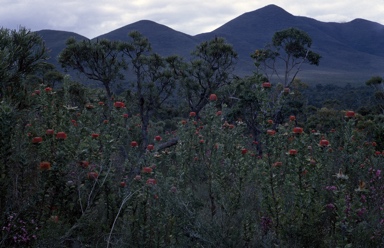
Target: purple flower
(378,172)
(361,211)
(330,206)
(331,188)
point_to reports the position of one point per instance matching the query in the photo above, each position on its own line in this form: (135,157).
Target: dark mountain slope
(351,52)
(163,39)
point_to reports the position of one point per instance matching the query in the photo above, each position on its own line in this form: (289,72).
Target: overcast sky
(92,18)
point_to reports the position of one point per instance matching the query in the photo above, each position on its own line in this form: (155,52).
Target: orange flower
(349,114)
(49,132)
(95,135)
(151,181)
(324,142)
(134,144)
(84,164)
(119,105)
(271,132)
(61,135)
(266,85)
(147,170)
(45,165)
(213,97)
(93,175)
(89,106)
(150,147)
(37,140)
(48,89)
(298,130)
(293,152)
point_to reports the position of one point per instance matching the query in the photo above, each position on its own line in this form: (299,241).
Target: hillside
(351,52)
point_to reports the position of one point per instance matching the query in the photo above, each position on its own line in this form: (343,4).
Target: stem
(118,213)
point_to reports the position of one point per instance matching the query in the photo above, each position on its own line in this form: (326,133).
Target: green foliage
(290,48)
(99,60)
(256,169)
(210,69)
(22,55)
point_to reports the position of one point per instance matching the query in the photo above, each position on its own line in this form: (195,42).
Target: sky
(92,18)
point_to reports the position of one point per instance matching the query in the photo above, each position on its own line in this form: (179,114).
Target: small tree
(22,54)
(377,83)
(99,60)
(291,47)
(153,81)
(210,69)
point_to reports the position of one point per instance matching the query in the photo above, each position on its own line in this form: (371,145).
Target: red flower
(286,91)
(49,132)
(292,118)
(37,92)
(93,175)
(298,130)
(324,142)
(158,138)
(147,170)
(218,113)
(151,181)
(293,152)
(137,178)
(266,85)
(101,103)
(89,106)
(45,165)
(48,89)
(61,135)
(271,132)
(150,147)
(134,144)
(125,115)
(123,184)
(105,121)
(95,135)
(119,105)
(349,114)
(374,143)
(231,126)
(84,164)
(213,97)
(277,164)
(37,140)
(244,151)
(192,114)
(183,122)
(270,122)
(201,141)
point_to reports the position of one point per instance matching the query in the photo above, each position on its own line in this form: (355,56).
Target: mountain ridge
(351,51)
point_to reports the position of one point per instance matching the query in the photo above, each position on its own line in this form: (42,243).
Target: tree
(97,60)
(291,47)
(153,82)
(22,54)
(378,84)
(209,70)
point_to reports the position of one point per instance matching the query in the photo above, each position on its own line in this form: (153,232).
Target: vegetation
(230,162)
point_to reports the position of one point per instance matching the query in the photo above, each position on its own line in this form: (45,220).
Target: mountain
(163,39)
(351,52)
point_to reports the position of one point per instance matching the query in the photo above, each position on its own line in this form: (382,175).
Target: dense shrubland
(188,156)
